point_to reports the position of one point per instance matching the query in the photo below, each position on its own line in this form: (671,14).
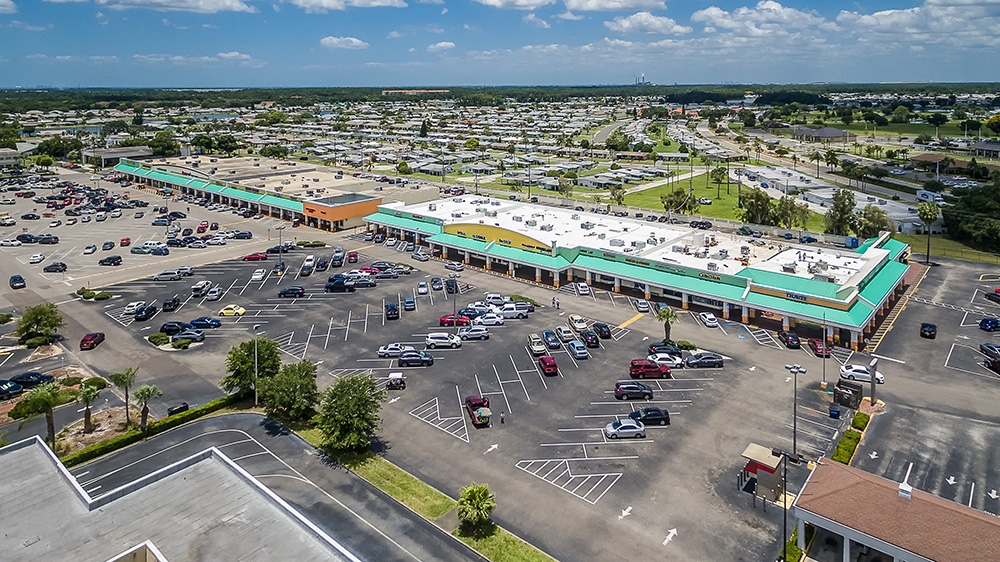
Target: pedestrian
(557,304)
(553,301)
(501,418)
(189,209)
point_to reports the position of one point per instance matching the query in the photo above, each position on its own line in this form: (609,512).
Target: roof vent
(547,227)
(575,216)
(456,215)
(531,223)
(491,213)
(517,218)
(432,207)
(601,236)
(616,242)
(712,266)
(788,267)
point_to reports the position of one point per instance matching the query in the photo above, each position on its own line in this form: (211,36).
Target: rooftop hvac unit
(788,267)
(456,215)
(432,207)
(587,225)
(701,253)
(678,249)
(491,213)
(616,242)
(480,209)
(517,218)
(822,265)
(662,239)
(638,244)
(547,227)
(459,200)
(712,266)
(602,236)
(745,250)
(651,241)
(531,223)
(723,253)
(495,203)
(575,216)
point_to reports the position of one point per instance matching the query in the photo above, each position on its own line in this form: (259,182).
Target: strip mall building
(844,293)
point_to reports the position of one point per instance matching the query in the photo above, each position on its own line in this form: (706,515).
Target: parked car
(474,332)
(110,260)
(624,428)
(146,312)
(535,345)
(577,322)
(582,289)
(256,256)
(36,258)
(214,294)
(641,305)
(928,330)
(989,324)
(258,275)
(704,359)
(627,390)
(171,303)
(393,349)
(422,288)
(547,364)
(819,347)
(709,320)
(565,334)
(193,335)
(454,320)
(454,266)
(860,373)
(31,379)
(414,357)
(489,319)
(55,267)
(295,291)
(391,311)
(17,282)
(436,284)
(232,310)
(479,409)
(578,349)
(91,340)
(168,275)
(590,338)
(789,339)
(990,350)
(9,389)
(646,369)
(551,339)
(409,303)
(674,361)
(651,416)
(442,339)
(131,307)
(203,322)
(603,330)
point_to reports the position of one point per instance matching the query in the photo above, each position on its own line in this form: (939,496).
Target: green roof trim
(272,201)
(556,263)
(895,247)
(855,317)
(389,219)
(884,282)
(790,283)
(641,274)
(460,242)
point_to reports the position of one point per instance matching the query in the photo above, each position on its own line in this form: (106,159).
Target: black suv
(651,416)
(413,357)
(17,282)
(171,304)
(928,330)
(146,312)
(172,328)
(339,286)
(627,390)
(789,339)
(392,311)
(293,292)
(110,260)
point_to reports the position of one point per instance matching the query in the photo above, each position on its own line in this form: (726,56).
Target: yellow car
(232,310)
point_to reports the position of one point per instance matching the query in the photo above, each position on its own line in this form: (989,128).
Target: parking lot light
(795,370)
(256,336)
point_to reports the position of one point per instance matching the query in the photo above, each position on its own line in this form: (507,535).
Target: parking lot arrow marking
(993,494)
(873,455)
(788,379)
(951,480)
(753,368)
(963,337)
(625,513)
(395,399)
(493,447)
(645,338)
(670,536)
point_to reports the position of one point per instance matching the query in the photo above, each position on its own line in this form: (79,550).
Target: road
(362,518)
(603,134)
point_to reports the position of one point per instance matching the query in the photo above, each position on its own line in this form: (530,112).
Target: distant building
(9,157)
(112,156)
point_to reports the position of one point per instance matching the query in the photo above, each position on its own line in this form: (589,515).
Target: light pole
(795,370)
(826,349)
(281,248)
(256,368)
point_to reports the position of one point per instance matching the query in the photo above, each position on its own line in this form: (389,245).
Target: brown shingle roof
(926,525)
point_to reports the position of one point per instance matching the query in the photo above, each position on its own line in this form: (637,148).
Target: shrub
(82,290)
(181,344)
(845,448)
(860,421)
(102,296)
(302,243)
(686,345)
(896,197)
(36,341)
(70,381)
(158,339)
(516,298)
(4,318)
(101,448)
(87,295)
(96,382)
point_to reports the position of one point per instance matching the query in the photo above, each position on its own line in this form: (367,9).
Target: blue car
(203,322)
(472,313)
(161,251)
(551,339)
(989,324)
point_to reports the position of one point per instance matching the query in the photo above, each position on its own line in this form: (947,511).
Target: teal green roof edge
(790,283)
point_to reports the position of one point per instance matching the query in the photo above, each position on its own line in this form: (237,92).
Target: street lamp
(256,368)
(795,370)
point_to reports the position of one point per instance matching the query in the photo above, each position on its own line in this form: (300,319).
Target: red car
(203,223)
(256,256)
(479,409)
(125,242)
(455,320)
(547,364)
(90,341)
(818,347)
(202,228)
(646,369)
(352,257)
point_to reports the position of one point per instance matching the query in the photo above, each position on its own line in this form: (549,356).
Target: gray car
(625,427)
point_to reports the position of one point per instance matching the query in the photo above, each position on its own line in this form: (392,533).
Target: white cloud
(444,11)
(352,43)
(110,59)
(16,24)
(433,28)
(430,1)
(101,18)
(536,21)
(766,18)
(613,5)
(645,22)
(440,46)
(36,56)
(168,23)
(219,58)
(516,4)
(322,6)
(394,35)
(8,7)
(64,58)
(569,16)
(234,55)
(197,6)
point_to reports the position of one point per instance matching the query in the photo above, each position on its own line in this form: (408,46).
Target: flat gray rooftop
(203,511)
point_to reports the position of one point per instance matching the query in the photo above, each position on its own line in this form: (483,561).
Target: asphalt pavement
(370,524)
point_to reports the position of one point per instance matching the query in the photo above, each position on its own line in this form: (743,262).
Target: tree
(993,124)
(831,159)
(137,116)
(928,211)
(471,144)
(274,151)
(839,218)
(871,221)
(39,320)
(124,380)
(292,392)
(475,505)
(668,316)
(143,395)
(565,187)
(680,200)
(900,115)
(45,161)
(349,412)
(424,127)
(163,144)
(719,175)
(970,125)
(789,213)
(756,207)
(247,361)
(113,127)
(42,400)
(203,142)
(404,168)
(817,157)
(936,119)
(935,186)
(88,394)
(617,194)
(227,144)
(59,147)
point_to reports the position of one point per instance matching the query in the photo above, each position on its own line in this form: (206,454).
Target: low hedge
(134,436)
(158,338)
(102,296)
(516,298)
(686,345)
(32,343)
(5,318)
(860,421)
(81,291)
(181,344)
(96,382)
(846,447)
(87,295)
(71,381)
(308,244)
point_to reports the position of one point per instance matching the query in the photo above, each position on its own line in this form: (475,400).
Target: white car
(115,213)
(55,223)
(85,218)
(36,258)
(565,334)
(8,202)
(131,307)
(390,242)
(258,275)
(577,322)
(625,427)
(214,294)
(10,242)
(454,266)
(582,289)
(90,249)
(709,320)
(70,221)
(484,308)
(217,241)
(669,359)
(860,373)
(422,288)
(393,349)
(197,244)
(489,319)
(642,305)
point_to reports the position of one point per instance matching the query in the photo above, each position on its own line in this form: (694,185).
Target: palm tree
(928,213)
(143,395)
(88,394)
(124,380)
(817,157)
(476,504)
(668,317)
(42,400)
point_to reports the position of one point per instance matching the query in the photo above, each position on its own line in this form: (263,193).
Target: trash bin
(182,407)
(835,411)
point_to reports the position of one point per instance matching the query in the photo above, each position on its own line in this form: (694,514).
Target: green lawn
(501,546)
(945,247)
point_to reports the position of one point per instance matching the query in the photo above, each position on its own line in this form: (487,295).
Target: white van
(101,216)
(511,310)
(153,244)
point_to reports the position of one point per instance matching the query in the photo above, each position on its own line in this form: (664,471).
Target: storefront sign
(711,276)
(797,297)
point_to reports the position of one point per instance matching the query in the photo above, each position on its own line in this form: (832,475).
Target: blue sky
(230,43)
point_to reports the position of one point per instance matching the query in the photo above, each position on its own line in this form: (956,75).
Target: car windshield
(617,424)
